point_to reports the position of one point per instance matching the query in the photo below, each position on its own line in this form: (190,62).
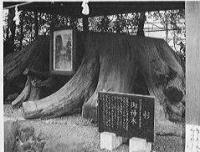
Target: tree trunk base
(110,62)
(90,112)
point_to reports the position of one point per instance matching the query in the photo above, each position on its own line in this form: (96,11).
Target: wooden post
(21,30)
(193,62)
(192,76)
(85,23)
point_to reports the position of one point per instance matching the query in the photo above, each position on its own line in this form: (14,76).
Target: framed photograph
(62,56)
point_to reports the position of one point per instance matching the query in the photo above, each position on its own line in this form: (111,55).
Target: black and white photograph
(100,76)
(62,50)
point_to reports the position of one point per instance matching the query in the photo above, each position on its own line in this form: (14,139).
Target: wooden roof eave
(98,8)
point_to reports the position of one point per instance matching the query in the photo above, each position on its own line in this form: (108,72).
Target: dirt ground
(76,134)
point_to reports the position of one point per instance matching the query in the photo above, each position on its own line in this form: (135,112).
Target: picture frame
(62,51)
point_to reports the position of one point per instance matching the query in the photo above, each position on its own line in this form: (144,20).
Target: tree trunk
(21,30)
(154,59)
(70,96)
(142,19)
(161,70)
(36,27)
(118,68)
(85,23)
(166,21)
(112,63)
(9,43)
(12,27)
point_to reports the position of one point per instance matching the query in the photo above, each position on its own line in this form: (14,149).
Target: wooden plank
(192,76)
(193,62)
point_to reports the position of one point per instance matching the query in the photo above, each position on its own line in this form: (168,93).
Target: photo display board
(62,54)
(127,115)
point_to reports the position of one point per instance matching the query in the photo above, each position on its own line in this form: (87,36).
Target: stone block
(110,141)
(149,147)
(139,145)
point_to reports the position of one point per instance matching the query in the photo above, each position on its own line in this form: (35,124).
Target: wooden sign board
(127,115)
(63,50)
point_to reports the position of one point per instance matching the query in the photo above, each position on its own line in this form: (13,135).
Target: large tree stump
(114,62)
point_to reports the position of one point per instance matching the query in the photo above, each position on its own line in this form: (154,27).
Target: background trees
(169,25)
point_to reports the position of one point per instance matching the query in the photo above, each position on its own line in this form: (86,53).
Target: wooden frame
(62,51)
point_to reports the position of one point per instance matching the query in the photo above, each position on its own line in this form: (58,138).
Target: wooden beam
(192,76)
(193,63)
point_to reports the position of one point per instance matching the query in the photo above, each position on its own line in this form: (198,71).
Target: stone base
(110,141)
(149,147)
(139,145)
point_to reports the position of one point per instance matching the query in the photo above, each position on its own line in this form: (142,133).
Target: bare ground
(76,134)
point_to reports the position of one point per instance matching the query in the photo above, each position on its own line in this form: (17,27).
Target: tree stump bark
(35,56)
(114,62)
(31,63)
(71,95)
(156,62)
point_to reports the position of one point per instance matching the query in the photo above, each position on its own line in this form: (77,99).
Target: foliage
(173,22)
(170,21)
(120,23)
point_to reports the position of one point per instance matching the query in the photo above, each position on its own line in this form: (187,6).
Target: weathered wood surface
(151,56)
(33,57)
(192,143)
(24,94)
(111,63)
(70,96)
(31,64)
(193,63)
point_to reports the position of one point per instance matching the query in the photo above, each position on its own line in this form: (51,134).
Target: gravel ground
(76,134)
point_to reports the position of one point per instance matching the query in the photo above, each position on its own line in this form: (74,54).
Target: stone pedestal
(139,145)
(110,141)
